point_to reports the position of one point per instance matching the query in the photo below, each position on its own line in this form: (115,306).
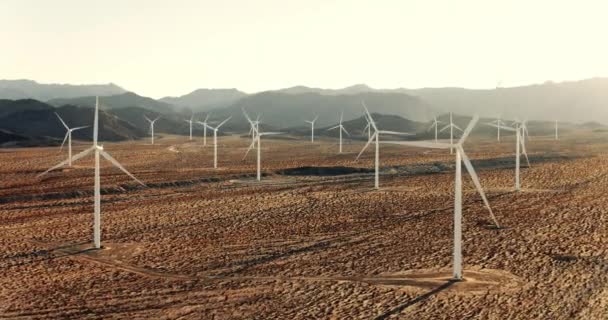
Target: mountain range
(32,119)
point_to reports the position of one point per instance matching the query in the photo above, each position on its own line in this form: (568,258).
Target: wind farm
(303,160)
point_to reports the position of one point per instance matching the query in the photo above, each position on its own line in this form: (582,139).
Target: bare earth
(200,243)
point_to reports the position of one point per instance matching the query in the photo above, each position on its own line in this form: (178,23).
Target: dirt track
(204,243)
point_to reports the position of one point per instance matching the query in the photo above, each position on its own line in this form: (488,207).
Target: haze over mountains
(28,106)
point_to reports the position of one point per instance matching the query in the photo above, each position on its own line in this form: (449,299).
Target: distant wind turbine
(97,150)
(215,140)
(258,140)
(436,126)
(254,125)
(520,147)
(376,136)
(204,123)
(451,126)
(461,157)
(190,122)
(340,128)
(68,136)
(152,127)
(312,128)
(498,124)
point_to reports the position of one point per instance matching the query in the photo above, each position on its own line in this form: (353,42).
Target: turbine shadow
(416,300)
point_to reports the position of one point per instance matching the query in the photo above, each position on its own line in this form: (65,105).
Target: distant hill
(282,110)
(206,99)
(572,101)
(24,89)
(124,100)
(36,123)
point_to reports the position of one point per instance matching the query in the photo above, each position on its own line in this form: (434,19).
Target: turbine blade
(96,122)
(251,146)
(457,127)
(523,149)
(431,127)
(446,127)
(332,128)
(65,125)
(344,129)
(222,123)
(366,145)
(421,144)
(469,129)
(371,120)
(269,133)
(147,118)
(475,178)
(78,128)
(501,127)
(119,166)
(396,133)
(64,139)
(63,163)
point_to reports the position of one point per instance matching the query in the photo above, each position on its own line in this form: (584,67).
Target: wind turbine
(97,150)
(152,127)
(258,139)
(375,137)
(312,128)
(68,136)
(498,124)
(461,157)
(190,122)
(436,126)
(215,140)
(368,127)
(451,126)
(340,128)
(204,123)
(253,124)
(520,146)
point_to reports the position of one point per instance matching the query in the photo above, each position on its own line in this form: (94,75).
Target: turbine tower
(436,126)
(258,140)
(340,128)
(190,122)
(215,140)
(461,157)
(152,128)
(451,126)
(376,137)
(312,128)
(97,150)
(204,123)
(68,136)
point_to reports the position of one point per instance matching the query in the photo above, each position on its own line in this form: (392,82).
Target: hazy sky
(159,48)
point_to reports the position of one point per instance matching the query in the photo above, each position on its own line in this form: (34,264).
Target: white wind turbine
(312,128)
(68,136)
(190,122)
(498,124)
(368,127)
(520,147)
(258,139)
(97,150)
(215,140)
(340,128)
(436,126)
(204,123)
(451,126)
(461,157)
(152,128)
(254,125)
(376,137)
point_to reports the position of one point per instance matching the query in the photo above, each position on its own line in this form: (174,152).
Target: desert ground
(312,240)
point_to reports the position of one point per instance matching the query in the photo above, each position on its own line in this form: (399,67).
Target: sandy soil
(200,243)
